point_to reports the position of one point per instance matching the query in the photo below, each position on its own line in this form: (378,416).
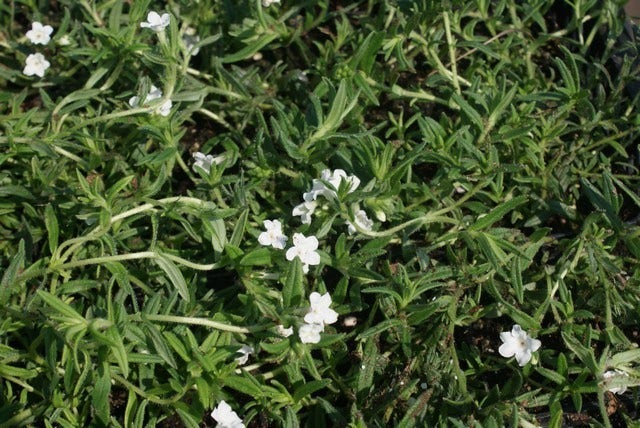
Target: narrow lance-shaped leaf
(8,279)
(51,223)
(498,213)
(293,289)
(174,274)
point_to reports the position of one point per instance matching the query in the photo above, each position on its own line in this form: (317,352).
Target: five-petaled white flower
(361,220)
(273,235)
(517,342)
(320,312)
(245,350)
(305,249)
(310,333)
(226,417)
(267,3)
(36,64)
(39,34)
(610,375)
(154,93)
(156,22)
(205,161)
(305,211)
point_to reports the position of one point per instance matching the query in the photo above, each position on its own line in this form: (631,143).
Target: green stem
(196,321)
(452,52)
(104,259)
(603,409)
(427,218)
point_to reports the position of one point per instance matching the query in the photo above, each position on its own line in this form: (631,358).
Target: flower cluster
(328,186)
(154,94)
(319,315)
(267,3)
(36,64)
(304,247)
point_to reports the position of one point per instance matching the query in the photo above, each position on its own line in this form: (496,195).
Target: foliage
(495,144)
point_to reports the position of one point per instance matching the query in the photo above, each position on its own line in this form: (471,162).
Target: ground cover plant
(318,213)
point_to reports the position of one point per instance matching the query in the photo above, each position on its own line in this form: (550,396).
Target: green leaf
(174,274)
(259,257)
(625,357)
(384,290)
(368,366)
(340,107)
(379,328)
(218,234)
(10,274)
(101,391)
(238,231)
(497,213)
(469,111)
(51,223)
(552,375)
(603,203)
(246,384)
(160,345)
(118,349)
(293,287)
(59,306)
(309,388)
(584,353)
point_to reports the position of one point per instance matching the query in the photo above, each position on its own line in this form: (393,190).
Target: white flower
(190,40)
(305,249)
(334,178)
(226,417)
(320,313)
(612,374)
(517,342)
(361,220)
(310,333)
(267,3)
(154,93)
(205,161)
(305,211)
(156,22)
(273,236)
(39,34)
(36,64)
(284,332)
(245,350)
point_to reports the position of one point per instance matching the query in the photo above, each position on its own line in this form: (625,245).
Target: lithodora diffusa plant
(319,213)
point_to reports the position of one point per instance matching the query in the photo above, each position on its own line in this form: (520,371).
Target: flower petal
(508,349)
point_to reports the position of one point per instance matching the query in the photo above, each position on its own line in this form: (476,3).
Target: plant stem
(196,321)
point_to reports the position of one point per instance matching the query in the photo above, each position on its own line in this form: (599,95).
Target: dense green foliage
(496,147)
